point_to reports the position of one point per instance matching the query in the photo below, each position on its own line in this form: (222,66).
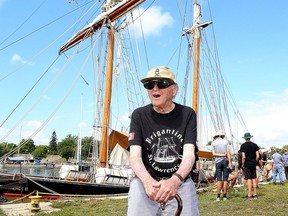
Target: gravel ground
(23,209)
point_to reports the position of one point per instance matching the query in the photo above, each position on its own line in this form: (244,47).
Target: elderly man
(162,142)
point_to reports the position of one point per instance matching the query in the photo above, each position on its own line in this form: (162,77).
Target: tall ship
(114,42)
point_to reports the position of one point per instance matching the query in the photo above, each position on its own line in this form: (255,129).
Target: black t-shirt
(162,137)
(260,158)
(250,149)
(239,159)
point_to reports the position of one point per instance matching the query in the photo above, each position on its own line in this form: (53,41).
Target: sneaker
(217,199)
(254,197)
(248,197)
(274,183)
(225,198)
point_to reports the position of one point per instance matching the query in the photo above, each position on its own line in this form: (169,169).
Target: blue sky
(251,37)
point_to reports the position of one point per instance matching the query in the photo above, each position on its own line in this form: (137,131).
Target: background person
(278,168)
(250,157)
(221,153)
(285,161)
(162,142)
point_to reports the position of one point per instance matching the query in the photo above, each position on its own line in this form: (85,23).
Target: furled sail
(111,14)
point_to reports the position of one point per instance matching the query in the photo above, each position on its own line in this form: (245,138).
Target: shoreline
(33,166)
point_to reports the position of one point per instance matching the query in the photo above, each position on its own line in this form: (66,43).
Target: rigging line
(45,91)
(131,78)
(22,24)
(42,186)
(211,102)
(233,102)
(236,110)
(217,60)
(62,101)
(40,78)
(136,42)
(134,76)
(140,20)
(42,27)
(144,42)
(182,15)
(208,104)
(34,57)
(20,145)
(205,76)
(216,87)
(187,74)
(35,103)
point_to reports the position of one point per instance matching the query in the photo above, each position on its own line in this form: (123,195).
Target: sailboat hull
(59,188)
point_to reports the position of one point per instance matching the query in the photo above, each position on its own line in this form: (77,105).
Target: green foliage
(41,151)
(53,144)
(6,147)
(283,149)
(86,147)
(27,146)
(67,147)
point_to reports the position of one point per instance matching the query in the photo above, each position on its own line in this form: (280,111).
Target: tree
(53,144)
(67,147)
(283,149)
(41,151)
(27,146)
(6,147)
(86,147)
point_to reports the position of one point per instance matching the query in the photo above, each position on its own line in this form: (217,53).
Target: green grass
(272,200)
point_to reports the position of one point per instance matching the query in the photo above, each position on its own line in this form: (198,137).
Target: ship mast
(197,36)
(109,15)
(196,31)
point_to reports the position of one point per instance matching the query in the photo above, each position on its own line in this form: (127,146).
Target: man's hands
(163,190)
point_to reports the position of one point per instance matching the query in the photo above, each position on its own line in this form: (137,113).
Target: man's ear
(175,90)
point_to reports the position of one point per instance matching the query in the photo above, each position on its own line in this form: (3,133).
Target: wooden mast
(122,8)
(109,75)
(107,99)
(197,37)
(196,31)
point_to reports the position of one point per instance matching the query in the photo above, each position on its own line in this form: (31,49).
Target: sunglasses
(161,84)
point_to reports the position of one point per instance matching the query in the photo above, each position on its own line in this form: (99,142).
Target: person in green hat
(250,157)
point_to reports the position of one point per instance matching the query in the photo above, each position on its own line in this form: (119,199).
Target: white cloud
(34,124)
(17,58)
(267,118)
(31,128)
(153,21)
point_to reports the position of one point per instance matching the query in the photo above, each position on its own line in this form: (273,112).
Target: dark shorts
(249,173)
(222,172)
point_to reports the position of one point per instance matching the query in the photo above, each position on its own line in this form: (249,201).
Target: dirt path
(23,209)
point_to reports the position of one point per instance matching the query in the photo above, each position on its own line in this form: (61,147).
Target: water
(33,170)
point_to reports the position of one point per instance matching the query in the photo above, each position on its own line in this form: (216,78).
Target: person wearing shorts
(250,157)
(222,158)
